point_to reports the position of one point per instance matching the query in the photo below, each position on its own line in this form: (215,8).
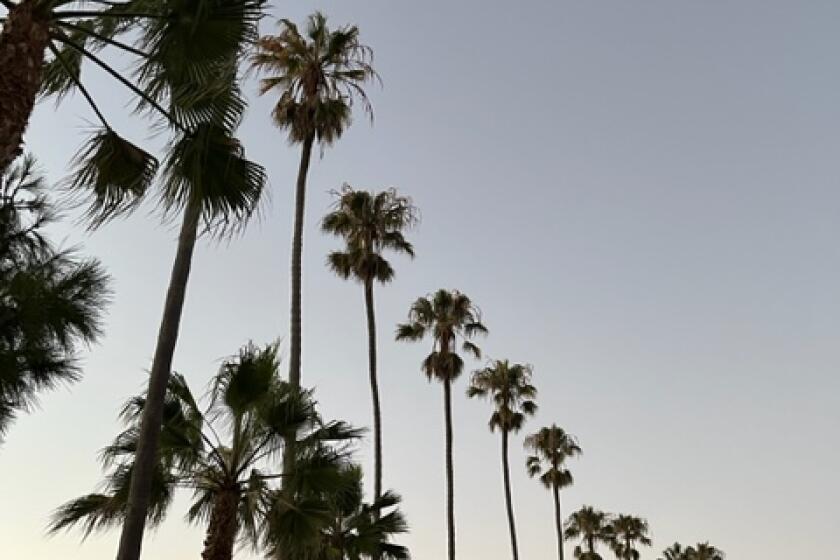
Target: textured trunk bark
(558,519)
(297,255)
(508,499)
(131,539)
(374,392)
(221,532)
(450,471)
(23,41)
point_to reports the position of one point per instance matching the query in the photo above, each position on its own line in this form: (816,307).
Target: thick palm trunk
(508,499)
(450,471)
(558,519)
(131,539)
(221,532)
(374,391)
(297,256)
(23,41)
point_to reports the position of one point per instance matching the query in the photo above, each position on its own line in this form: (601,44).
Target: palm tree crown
(702,551)
(509,386)
(592,527)
(551,446)
(369,223)
(319,73)
(627,531)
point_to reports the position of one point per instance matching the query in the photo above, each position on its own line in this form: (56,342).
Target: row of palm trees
(189,54)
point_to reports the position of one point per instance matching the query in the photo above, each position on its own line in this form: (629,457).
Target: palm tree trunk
(450,471)
(131,539)
(223,526)
(297,255)
(508,500)
(23,41)
(558,519)
(374,392)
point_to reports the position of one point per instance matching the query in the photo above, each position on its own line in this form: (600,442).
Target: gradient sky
(641,195)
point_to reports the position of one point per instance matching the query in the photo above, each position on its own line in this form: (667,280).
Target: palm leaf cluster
(51,300)
(621,533)
(701,551)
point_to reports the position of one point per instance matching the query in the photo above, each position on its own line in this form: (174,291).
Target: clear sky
(641,195)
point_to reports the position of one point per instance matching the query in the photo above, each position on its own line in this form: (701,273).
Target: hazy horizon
(642,198)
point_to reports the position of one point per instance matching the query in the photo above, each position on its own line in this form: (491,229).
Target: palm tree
(627,531)
(348,528)
(318,74)
(370,223)
(448,316)
(179,46)
(674,552)
(552,446)
(509,386)
(592,527)
(230,479)
(704,551)
(51,301)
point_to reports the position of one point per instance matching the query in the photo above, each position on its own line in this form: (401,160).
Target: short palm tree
(231,477)
(551,446)
(592,527)
(509,387)
(673,552)
(627,531)
(51,301)
(370,223)
(318,73)
(704,551)
(348,528)
(178,45)
(449,317)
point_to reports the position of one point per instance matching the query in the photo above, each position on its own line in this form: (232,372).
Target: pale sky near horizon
(642,197)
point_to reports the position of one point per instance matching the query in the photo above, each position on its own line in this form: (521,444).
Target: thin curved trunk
(374,392)
(558,519)
(131,539)
(297,255)
(23,40)
(450,471)
(508,499)
(223,526)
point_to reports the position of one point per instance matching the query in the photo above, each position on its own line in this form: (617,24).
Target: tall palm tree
(592,527)
(51,301)
(449,317)
(370,223)
(551,447)
(223,453)
(509,387)
(318,73)
(627,531)
(178,46)
(348,530)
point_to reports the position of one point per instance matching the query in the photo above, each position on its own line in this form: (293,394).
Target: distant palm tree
(179,46)
(592,527)
(370,223)
(674,552)
(551,447)
(348,529)
(509,386)
(704,551)
(318,74)
(628,530)
(448,316)
(51,301)
(231,479)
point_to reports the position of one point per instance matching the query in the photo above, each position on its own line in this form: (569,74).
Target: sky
(641,196)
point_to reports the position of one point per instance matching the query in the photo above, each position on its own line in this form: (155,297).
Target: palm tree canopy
(509,386)
(627,530)
(704,551)
(551,446)
(318,73)
(179,49)
(51,301)
(448,316)
(369,223)
(256,409)
(592,527)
